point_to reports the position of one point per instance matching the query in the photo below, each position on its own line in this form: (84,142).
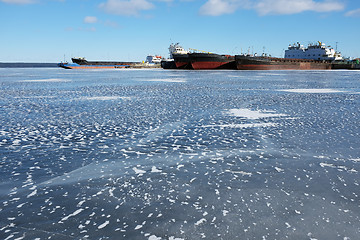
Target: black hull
(211,61)
(182,61)
(82,61)
(168,64)
(351,65)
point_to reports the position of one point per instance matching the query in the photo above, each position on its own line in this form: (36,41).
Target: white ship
(153,59)
(313,51)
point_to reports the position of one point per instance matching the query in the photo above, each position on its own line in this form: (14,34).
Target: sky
(129,30)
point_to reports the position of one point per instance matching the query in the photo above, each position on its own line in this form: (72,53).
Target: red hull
(181,64)
(207,65)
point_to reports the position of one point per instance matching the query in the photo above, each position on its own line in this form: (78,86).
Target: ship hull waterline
(208,61)
(257,63)
(73,66)
(212,65)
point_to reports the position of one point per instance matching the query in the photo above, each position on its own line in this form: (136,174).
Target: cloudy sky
(54,30)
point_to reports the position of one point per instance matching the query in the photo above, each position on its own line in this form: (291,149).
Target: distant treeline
(27,65)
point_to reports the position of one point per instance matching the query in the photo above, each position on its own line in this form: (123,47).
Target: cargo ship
(82,61)
(245,62)
(314,57)
(198,59)
(202,61)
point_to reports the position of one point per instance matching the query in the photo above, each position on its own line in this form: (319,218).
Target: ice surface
(174,155)
(104,98)
(169,80)
(47,80)
(314,90)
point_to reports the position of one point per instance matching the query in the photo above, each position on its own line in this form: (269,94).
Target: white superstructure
(176,49)
(313,51)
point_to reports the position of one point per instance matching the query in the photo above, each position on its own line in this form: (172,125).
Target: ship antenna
(336,46)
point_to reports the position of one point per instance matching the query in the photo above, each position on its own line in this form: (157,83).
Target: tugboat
(180,56)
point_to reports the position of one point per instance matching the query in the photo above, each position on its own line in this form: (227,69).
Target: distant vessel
(154,59)
(314,57)
(313,51)
(347,64)
(83,61)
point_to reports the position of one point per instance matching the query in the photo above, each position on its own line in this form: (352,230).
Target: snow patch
(252,114)
(312,90)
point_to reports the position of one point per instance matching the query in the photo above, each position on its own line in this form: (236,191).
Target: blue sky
(51,30)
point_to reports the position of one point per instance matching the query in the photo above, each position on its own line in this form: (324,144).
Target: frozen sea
(172,155)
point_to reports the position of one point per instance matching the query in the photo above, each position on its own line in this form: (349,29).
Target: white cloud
(18,1)
(126,8)
(270,7)
(218,7)
(353,13)
(90,19)
(280,7)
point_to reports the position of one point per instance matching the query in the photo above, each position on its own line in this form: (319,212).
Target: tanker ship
(314,57)
(198,59)
(207,60)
